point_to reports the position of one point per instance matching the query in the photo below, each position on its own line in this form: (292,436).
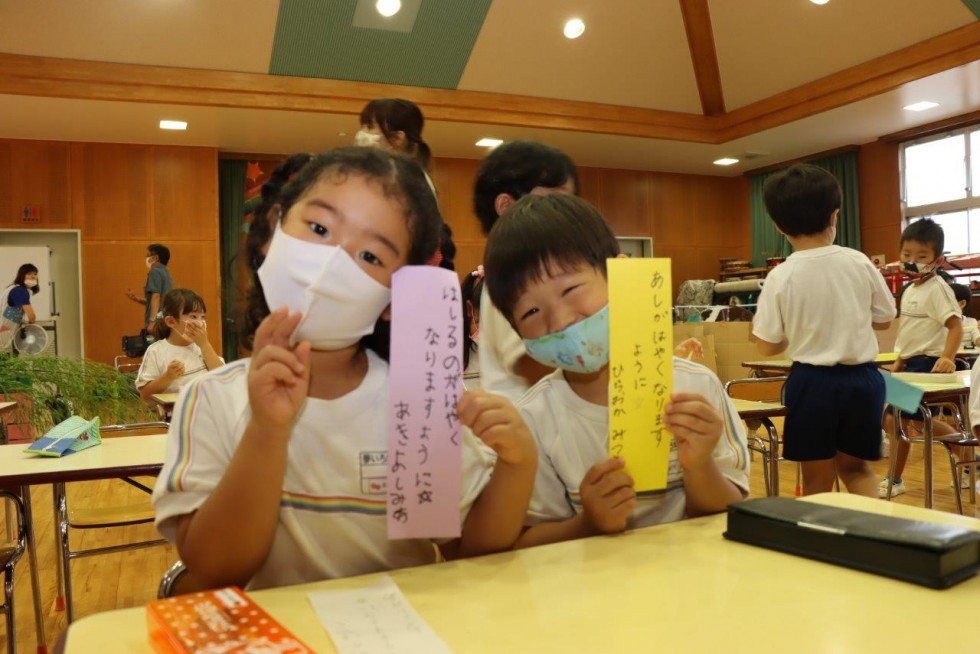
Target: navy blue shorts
(833,409)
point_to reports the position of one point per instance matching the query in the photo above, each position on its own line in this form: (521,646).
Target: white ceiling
(634,53)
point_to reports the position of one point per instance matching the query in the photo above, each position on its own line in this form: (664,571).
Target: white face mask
(340,302)
(365,138)
(149,262)
(30,283)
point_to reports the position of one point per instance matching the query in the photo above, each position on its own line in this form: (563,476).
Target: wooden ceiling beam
(701,41)
(88,80)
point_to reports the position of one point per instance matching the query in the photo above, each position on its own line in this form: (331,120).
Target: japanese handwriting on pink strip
(426,383)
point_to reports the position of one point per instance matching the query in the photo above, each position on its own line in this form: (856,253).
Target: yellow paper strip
(641,350)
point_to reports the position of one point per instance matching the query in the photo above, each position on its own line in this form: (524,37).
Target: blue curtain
(767,242)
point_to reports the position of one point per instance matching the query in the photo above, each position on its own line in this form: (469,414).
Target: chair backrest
(134,429)
(20,543)
(760,389)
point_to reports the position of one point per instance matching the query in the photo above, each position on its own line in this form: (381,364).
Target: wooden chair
(967,442)
(10,553)
(103,517)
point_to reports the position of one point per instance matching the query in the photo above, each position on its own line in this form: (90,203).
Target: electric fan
(30,339)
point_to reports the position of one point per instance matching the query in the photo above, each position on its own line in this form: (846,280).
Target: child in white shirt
(182,351)
(546,273)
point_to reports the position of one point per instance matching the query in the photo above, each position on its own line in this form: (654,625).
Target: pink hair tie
(478,272)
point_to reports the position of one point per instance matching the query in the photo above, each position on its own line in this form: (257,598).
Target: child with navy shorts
(821,306)
(929,330)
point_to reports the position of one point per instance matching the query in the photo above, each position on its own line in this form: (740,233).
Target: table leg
(61,543)
(42,646)
(927,454)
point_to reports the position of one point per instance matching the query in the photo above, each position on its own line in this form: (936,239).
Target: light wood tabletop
(655,587)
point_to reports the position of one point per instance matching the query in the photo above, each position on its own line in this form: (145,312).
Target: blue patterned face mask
(582,347)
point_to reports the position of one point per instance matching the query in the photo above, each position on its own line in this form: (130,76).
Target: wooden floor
(129,579)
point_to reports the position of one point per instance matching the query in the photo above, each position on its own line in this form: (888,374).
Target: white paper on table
(376,619)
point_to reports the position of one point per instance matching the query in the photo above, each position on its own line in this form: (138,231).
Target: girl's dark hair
(260,229)
(397,177)
(396,115)
(539,234)
(471,290)
(176,303)
(22,272)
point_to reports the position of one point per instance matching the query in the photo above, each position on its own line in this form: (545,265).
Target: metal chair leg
(62,541)
(25,494)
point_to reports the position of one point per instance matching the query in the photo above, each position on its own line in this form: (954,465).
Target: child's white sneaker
(898,488)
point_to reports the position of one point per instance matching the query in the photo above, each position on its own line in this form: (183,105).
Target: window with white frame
(941,180)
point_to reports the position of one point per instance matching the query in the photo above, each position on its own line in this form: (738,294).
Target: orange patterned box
(224,620)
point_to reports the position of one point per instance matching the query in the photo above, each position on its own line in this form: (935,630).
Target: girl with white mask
(276,465)
(181,351)
(15,304)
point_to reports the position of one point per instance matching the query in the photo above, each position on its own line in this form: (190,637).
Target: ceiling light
(819,2)
(921,106)
(574,28)
(488,143)
(388,8)
(725,161)
(173,124)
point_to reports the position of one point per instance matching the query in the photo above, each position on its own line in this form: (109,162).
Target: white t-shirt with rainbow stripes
(332,516)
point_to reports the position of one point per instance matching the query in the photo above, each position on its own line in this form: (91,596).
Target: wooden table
(779,367)
(654,588)
(764,412)
(166,403)
(124,456)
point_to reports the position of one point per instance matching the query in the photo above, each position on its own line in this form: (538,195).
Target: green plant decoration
(49,389)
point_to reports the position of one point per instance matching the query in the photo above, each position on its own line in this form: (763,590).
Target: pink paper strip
(426,382)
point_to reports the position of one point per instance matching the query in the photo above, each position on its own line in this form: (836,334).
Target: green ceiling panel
(974,6)
(316,38)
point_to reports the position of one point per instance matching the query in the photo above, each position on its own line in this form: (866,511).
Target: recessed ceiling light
(725,161)
(488,143)
(388,8)
(574,28)
(819,2)
(921,106)
(173,124)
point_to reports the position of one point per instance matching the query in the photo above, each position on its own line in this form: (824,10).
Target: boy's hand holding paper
(641,348)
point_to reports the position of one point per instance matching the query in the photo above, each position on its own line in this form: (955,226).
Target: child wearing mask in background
(181,351)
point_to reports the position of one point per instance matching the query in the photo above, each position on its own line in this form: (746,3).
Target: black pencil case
(926,553)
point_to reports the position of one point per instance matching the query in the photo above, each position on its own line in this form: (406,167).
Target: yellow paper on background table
(641,350)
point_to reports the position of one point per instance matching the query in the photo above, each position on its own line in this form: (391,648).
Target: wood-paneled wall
(880,201)
(693,219)
(121,198)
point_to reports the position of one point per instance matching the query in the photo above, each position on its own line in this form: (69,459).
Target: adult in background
(15,307)
(158,283)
